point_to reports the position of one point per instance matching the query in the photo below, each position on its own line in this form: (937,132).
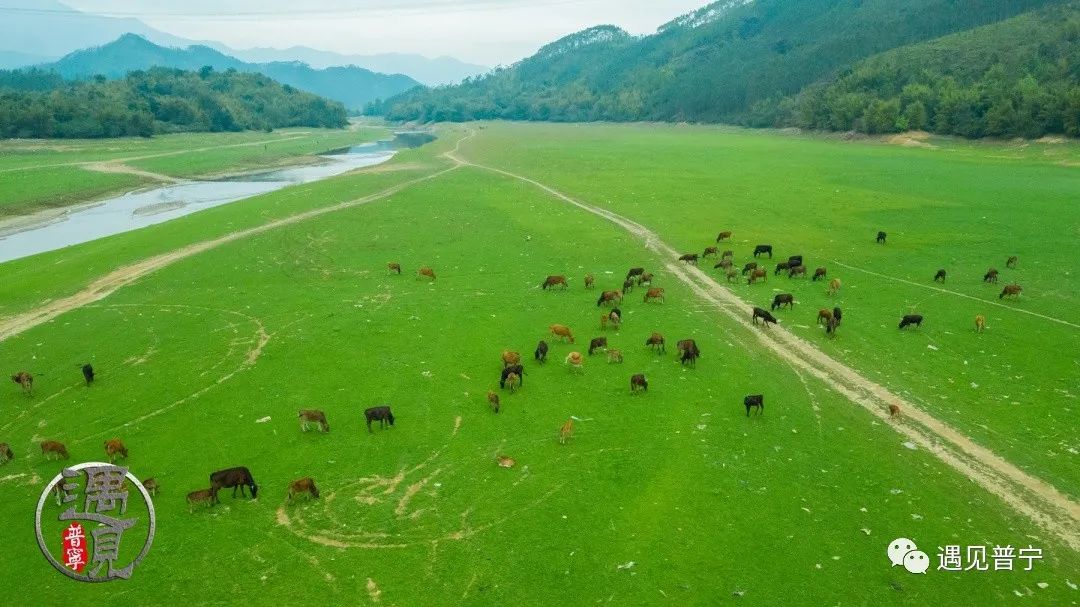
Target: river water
(143,208)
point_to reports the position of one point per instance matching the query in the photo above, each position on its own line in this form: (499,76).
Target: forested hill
(36,104)
(732,61)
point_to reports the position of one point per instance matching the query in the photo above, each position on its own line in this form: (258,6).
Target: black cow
(634,272)
(795,260)
(750,266)
(911,319)
(940,276)
(688,352)
(690,258)
(382,415)
(763,248)
(541,352)
(237,478)
(783,266)
(754,400)
(88,373)
(783,299)
(764,315)
(881,237)
(837,315)
(518,369)
(597,343)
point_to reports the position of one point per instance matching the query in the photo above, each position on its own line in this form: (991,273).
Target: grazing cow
(517,370)
(819,273)
(553,281)
(428,272)
(493,400)
(783,299)
(635,272)
(824,316)
(911,319)
(830,326)
(114,448)
(838,314)
(541,352)
(5,453)
(783,266)
(202,496)
(613,317)
(614,356)
(512,381)
(562,332)
(656,343)
(799,270)
(574,361)
(710,251)
(56,448)
(690,258)
(748,267)
(609,297)
(763,248)
(88,373)
(393,268)
(654,293)
(590,281)
(505,461)
(510,358)
(25,380)
(1011,290)
(303,485)
(1011,262)
(764,315)
(795,260)
(754,400)
(940,276)
(894,411)
(727,255)
(628,285)
(723,236)
(597,343)
(688,352)
(732,275)
(991,275)
(980,323)
(724,263)
(566,431)
(834,286)
(151,486)
(312,416)
(237,478)
(381,414)
(638,382)
(645,279)
(756,274)
(881,237)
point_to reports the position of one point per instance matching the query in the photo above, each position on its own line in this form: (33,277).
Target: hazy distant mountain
(352,86)
(432,72)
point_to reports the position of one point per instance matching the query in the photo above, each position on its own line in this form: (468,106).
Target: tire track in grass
(1033,497)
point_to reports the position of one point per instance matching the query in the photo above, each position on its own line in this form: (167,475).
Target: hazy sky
(489,32)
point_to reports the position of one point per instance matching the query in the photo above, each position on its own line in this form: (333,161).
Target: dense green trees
(38,104)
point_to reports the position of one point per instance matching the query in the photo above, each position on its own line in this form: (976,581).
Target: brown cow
(597,343)
(151,486)
(824,316)
(590,280)
(609,297)
(303,485)
(723,236)
(645,279)
(574,361)
(614,318)
(819,273)
(393,268)
(732,275)
(562,332)
(654,293)
(756,274)
(750,266)
(513,381)
(710,251)
(510,358)
(614,356)
(1011,290)
(312,416)
(202,496)
(25,380)
(834,286)
(799,270)
(51,447)
(114,448)
(991,275)
(493,400)
(553,281)
(638,382)
(728,255)
(690,258)
(724,263)
(505,461)
(980,323)
(428,272)
(655,342)
(5,453)
(688,351)
(628,285)
(566,431)
(894,411)
(1011,262)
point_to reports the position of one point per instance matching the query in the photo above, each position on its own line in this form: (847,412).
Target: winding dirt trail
(1033,497)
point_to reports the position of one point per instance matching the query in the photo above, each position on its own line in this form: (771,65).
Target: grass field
(41,174)
(669,497)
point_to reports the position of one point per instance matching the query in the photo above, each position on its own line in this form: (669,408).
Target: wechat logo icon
(903,551)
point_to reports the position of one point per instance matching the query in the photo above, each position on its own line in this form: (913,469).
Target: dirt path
(1038,500)
(118,166)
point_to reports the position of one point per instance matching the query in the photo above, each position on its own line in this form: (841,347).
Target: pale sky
(489,32)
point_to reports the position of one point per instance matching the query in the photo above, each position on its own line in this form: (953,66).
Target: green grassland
(794,507)
(38,174)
